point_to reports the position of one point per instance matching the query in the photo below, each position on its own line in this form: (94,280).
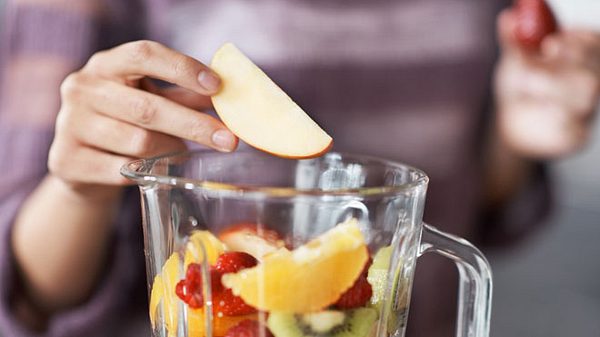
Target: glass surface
(334,242)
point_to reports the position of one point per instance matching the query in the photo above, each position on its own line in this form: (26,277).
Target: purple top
(404,80)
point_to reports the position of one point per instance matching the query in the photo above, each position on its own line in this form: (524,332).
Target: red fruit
(248,328)
(359,294)
(228,304)
(231,262)
(189,289)
(535,21)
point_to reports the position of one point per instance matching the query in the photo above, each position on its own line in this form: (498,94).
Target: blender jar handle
(475,287)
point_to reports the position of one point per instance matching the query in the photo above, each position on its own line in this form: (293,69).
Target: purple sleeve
(33,34)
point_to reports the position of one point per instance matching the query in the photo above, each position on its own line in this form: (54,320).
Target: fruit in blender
(359,294)
(190,289)
(307,279)
(331,323)
(203,239)
(378,273)
(252,239)
(248,328)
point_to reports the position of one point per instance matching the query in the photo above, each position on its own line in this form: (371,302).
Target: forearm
(505,171)
(60,240)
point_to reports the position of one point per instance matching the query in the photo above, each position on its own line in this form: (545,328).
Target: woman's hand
(547,98)
(112,113)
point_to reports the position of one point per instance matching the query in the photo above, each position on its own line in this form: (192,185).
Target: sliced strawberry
(228,304)
(231,262)
(248,328)
(535,21)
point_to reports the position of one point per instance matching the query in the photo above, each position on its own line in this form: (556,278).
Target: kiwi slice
(378,273)
(328,323)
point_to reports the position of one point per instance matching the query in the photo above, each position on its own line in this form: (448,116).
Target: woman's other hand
(547,97)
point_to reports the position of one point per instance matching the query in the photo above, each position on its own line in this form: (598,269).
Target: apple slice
(252,239)
(261,114)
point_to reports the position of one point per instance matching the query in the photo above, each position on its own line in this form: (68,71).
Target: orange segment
(220,324)
(212,246)
(163,293)
(307,279)
(163,288)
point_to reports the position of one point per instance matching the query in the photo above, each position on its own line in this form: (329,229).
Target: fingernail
(209,81)
(224,140)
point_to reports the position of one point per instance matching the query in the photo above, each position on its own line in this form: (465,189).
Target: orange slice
(213,247)
(163,293)
(307,279)
(196,323)
(163,287)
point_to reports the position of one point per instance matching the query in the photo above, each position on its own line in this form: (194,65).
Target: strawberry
(248,328)
(231,262)
(535,21)
(357,296)
(228,304)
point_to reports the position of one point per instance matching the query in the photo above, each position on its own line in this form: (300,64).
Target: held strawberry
(535,21)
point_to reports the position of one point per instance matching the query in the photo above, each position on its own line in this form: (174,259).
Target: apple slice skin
(260,113)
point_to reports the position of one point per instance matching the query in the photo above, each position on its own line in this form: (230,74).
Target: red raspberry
(248,328)
(189,289)
(228,304)
(359,294)
(231,262)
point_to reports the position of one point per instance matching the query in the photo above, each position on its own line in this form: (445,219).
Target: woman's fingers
(186,98)
(138,59)
(575,89)
(85,165)
(121,138)
(573,49)
(148,111)
(542,129)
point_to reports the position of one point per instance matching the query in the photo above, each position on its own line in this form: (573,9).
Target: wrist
(94,194)
(506,171)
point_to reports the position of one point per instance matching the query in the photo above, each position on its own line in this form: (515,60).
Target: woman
(405,80)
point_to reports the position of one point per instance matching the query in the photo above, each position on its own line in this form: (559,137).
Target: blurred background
(549,285)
